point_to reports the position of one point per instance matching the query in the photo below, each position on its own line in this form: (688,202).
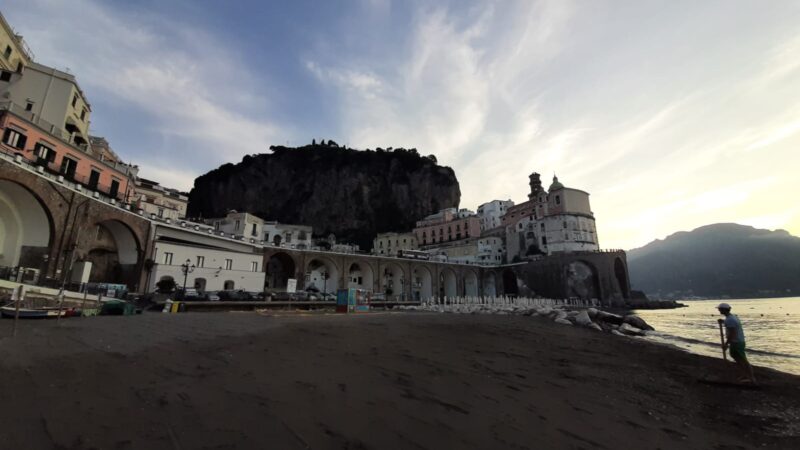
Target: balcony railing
(53,171)
(62,135)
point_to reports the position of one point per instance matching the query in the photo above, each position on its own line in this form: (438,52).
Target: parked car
(190,295)
(212,296)
(234,296)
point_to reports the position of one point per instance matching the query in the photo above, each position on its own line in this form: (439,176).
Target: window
(68,167)
(201,261)
(236,228)
(44,154)
(288,238)
(254,266)
(168,258)
(544,240)
(558,199)
(14,138)
(216,226)
(114,190)
(28,106)
(228,264)
(74,100)
(83,115)
(94,179)
(160,212)
(542,226)
(266,237)
(253,231)
(8,52)
(565,225)
(5,75)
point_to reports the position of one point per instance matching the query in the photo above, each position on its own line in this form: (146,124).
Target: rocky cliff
(353,194)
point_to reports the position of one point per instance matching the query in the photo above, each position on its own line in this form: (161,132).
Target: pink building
(446,226)
(24,137)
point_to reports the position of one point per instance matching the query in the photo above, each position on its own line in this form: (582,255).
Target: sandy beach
(379,380)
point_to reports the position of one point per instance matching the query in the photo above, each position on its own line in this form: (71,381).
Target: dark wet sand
(383,380)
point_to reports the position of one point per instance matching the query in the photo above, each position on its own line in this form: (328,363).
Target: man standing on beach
(734,342)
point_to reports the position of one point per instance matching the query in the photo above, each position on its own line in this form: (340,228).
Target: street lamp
(186,268)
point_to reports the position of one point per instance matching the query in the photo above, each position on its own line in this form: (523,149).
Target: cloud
(667,116)
(196,94)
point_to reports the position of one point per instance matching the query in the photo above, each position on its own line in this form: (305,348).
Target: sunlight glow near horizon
(672,116)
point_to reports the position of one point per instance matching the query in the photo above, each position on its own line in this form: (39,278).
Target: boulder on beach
(561,315)
(592,312)
(617,333)
(637,322)
(630,330)
(563,321)
(616,319)
(582,318)
(594,326)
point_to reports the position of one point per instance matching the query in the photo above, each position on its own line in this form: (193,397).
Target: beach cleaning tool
(60,298)
(18,295)
(722,339)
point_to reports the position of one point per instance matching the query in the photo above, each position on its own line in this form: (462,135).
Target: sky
(672,114)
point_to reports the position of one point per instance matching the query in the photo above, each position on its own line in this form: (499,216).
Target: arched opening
(422,284)
(393,282)
(448,285)
(489,284)
(470,284)
(114,253)
(25,228)
(280,268)
(622,278)
(582,281)
(322,275)
(510,285)
(229,285)
(165,284)
(200,285)
(277,240)
(360,276)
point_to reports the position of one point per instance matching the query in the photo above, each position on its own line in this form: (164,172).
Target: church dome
(556,184)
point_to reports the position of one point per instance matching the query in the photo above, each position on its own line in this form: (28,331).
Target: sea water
(771,328)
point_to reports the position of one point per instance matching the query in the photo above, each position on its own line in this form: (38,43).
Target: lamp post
(186,268)
(325,282)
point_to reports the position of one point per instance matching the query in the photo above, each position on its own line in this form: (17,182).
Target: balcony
(73,140)
(53,171)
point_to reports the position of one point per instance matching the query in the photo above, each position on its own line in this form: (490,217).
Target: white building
(214,263)
(51,99)
(553,221)
(251,226)
(390,243)
(491,251)
(160,201)
(490,213)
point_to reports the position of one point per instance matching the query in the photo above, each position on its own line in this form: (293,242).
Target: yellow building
(14,54)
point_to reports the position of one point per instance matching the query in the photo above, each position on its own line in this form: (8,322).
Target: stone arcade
(45,222)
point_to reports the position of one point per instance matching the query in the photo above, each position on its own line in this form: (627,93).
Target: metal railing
(64,136)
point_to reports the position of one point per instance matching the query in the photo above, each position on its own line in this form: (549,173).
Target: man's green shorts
(737,351)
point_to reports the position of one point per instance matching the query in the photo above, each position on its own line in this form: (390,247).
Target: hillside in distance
(719,260)
(353,194)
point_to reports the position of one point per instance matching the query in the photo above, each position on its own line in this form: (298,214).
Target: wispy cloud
(197,94)
(670,117)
